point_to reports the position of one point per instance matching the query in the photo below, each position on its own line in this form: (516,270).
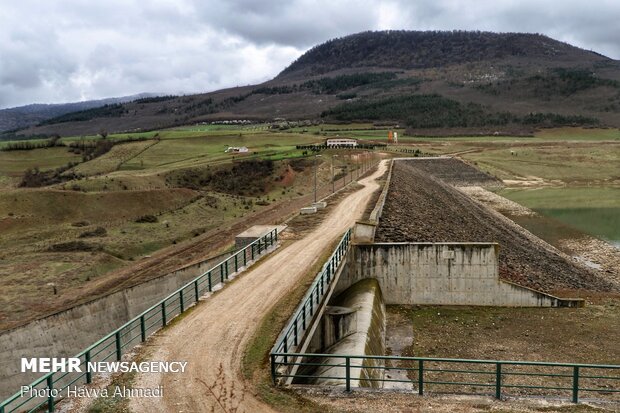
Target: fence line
(503,377)
(291,336)
(137,330)
(464,375)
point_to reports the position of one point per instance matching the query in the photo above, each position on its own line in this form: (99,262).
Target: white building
(240,149)
(339,142)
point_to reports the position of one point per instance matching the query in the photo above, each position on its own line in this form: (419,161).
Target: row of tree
(329,85)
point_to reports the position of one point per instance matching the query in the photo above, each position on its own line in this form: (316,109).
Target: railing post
(576,384)
(245,257)
(89,374)
(295,337)
(210,281)
(347,363)
(50,398)
(285,348)
(273,368)
(276,232)
(163,313)
(252,248)
(142,328)
(196,290)
(498,381)
(421,377)
(222,272)
(181,301)
(303,317)
(236,263)
(226,269)
(119,353)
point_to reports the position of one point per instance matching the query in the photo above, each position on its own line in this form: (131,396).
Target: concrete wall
(353,324)
(440,274)
(66,333)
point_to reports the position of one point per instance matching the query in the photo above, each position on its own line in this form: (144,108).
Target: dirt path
(213,337)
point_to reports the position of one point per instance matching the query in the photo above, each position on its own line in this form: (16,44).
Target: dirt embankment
(455,172)
(421,208)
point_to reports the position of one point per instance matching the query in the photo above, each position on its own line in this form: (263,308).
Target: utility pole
(333,182)
(316,166)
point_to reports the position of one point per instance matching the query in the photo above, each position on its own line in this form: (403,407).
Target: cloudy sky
(70,50)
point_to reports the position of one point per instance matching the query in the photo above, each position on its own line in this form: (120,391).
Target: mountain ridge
(425,49)
(508,81)
(19,117)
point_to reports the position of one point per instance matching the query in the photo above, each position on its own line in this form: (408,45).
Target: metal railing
(294,331)
(50,387)
(503,378)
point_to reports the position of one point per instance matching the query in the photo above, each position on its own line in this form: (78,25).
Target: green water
(602,223)
(590,210)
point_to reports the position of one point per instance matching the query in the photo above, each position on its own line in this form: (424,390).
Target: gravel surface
(456,172)
(213,337)
(421,208)
(367,400)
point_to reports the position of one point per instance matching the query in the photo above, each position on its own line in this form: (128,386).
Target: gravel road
(213,337)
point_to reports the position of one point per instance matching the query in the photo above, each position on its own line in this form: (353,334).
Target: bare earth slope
(421,208)
(215,334)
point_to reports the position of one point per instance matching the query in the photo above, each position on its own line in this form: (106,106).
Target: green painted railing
(291,336)
(502,377)
(114,345)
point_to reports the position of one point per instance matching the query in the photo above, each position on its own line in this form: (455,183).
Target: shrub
(146,219)
(97,232)
(73,246)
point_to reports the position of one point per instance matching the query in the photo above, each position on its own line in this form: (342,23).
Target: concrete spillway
(354,323)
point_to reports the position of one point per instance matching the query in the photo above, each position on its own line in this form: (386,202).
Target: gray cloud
(69,50)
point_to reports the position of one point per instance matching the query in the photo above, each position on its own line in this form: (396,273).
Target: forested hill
(424,49)
(431,82)
(24,116)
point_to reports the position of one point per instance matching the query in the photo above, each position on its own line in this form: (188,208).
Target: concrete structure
(68,332)
(307,210)
(255,232)
(440,274)
(364,231)
(354,323)
(237,149)
(341,142)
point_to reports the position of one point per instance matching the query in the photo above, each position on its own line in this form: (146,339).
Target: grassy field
(14,163)
(591,333)
(570,164)
(566,197)
(134,179)
(74,233)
